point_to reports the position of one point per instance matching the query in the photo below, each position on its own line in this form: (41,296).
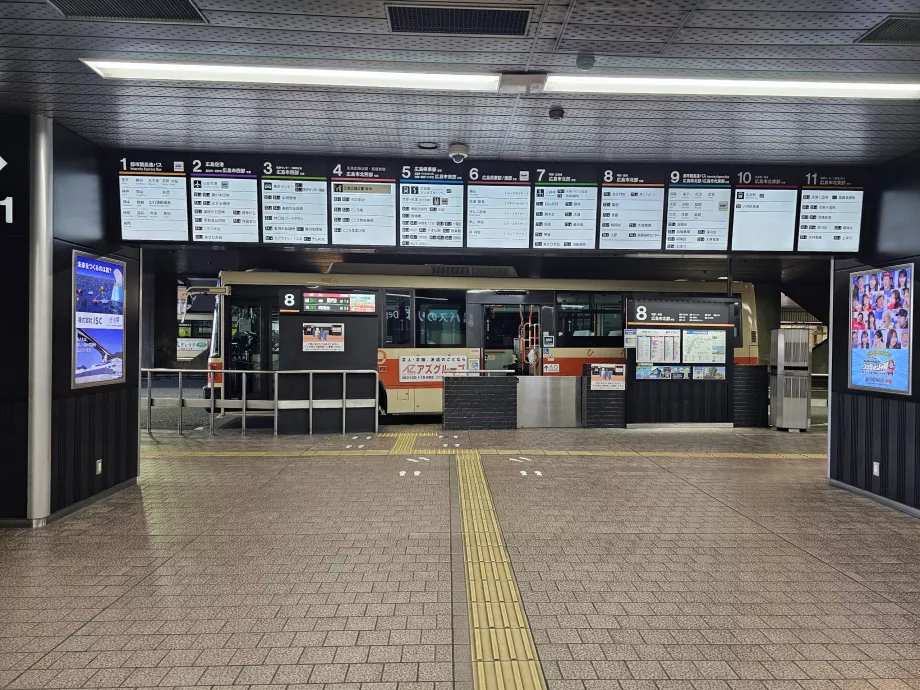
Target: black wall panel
(867,429)
(488,402)
(99,422)
(361,334)
(751,389)
(14,345)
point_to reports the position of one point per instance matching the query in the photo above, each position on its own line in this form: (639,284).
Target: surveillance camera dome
(557,112)
(458,152)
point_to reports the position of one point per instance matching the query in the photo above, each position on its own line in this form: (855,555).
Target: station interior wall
(102,423)
(868,427)
(90,424)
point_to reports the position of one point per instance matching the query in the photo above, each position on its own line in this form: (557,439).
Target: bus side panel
(571,360)
(417,397)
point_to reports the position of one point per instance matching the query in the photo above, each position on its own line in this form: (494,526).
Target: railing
(213,404)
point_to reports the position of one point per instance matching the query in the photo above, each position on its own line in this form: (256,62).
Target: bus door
(511,337)
(252,344)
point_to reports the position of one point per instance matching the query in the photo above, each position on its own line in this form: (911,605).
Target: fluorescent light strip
(727,87)
(174,71)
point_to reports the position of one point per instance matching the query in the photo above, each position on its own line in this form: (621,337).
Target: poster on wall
(880,337)
(658,345)
(98,321)
(324,337)
(709,373)
(704,347)
(608,377)
(661,372)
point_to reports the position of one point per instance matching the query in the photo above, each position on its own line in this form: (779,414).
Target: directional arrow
(402,473)
(2,163)
(523,473)
(538,473)
(416,473)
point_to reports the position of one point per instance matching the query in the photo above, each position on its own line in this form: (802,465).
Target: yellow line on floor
(502,648)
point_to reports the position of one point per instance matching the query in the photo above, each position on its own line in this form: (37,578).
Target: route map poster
(880,336)
(704,347)
(98,321)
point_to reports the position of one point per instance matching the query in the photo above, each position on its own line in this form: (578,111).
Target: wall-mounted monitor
(98,345)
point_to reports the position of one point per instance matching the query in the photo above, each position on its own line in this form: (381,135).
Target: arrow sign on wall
(2,163)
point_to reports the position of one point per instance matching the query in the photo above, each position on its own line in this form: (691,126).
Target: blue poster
(880,337)
(99,321)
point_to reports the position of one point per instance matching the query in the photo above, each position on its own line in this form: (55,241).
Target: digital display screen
(225,202)
(565,207)
(363,204)
(339,302)
(290,200)
(99,321)
(765,211)
(632,209)
(295,202)
(430,206)
(830,214)
(153,200)
(699,210)
(498,197)
(880,331)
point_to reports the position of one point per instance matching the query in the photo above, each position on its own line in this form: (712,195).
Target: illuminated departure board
(363,204)
(295,202)
(699,209)
(764,213)
(565,207)
(632,209)
(153,199)
(498,206)
(225,205)
(830,214)
(431,205)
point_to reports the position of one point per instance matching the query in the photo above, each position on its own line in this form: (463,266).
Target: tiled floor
(674,560)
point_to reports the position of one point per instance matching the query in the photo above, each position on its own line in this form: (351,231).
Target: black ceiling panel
(40,71)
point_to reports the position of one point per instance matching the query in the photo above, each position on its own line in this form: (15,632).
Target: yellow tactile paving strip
(501,644)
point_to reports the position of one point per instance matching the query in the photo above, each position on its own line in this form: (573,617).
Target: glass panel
(589,319)
(245,324)
(441,318)
(399,319)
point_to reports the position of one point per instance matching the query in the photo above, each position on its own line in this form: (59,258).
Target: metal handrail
(243,406)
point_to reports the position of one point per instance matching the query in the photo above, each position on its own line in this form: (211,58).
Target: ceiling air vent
(130,10)
(895,30)
(441,19)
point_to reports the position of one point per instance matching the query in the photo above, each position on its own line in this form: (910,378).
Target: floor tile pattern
(645,560)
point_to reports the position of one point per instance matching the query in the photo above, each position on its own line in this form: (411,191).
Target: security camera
(556,113)
(458,152)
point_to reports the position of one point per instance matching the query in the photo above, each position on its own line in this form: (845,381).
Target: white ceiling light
(563,83)
(175,71)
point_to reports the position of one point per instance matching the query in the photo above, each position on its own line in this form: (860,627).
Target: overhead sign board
(294,200)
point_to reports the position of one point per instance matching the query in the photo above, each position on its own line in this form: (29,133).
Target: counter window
(586,319)
(440,318)
(399,319)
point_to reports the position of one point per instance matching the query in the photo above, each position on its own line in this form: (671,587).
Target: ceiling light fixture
(564,83)
(428,145)
(176,71)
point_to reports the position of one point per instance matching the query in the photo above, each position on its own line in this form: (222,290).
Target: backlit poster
(324,337)
(99,321)
(880,338)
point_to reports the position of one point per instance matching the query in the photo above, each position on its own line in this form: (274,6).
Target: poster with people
(608,377)
(324,337)
(880,331)
(99,321)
